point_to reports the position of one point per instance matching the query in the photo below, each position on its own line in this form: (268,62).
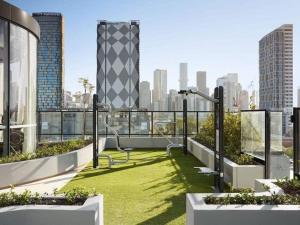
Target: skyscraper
(244,100)
(50,61)
(118,58)
(159,94)
(172,99)
(183,76)
(276,71)
(232,90)
(201,103)
(145,95)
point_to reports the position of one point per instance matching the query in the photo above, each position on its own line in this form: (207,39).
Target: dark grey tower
(118,63)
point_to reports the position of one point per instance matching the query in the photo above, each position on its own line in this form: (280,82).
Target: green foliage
(232,137)
(75,196)
(250,198)
(291,187)
(45,150)
(240,190)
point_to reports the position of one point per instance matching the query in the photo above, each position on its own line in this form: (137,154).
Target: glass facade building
(19,35)
(50,61)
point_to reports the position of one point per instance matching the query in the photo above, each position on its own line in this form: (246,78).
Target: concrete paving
(46,185)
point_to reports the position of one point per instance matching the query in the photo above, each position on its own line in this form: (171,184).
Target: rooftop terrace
(150,189)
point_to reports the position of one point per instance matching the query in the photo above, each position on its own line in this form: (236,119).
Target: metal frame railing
(152,117)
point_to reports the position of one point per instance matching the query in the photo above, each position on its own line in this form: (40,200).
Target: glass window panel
(73,123)
(192,123)
(50,123)
(163,123)
(118,121)
(140,123)
(3,81)
(279,161)
(23,48)
(253,133)
(179,123)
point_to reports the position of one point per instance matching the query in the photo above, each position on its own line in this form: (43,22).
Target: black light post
(95,131)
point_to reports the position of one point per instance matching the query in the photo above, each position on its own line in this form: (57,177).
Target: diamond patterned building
(118,63)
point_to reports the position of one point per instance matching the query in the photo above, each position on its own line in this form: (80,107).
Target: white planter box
(199,213)
(90,213)
(17,173)
(239,176)
(262,184)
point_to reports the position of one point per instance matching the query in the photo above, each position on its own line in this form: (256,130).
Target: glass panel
(192,123)
(118,121)
(3,72)
(49,138)
(140,123)
(73,123)
(279,161)
(30,132)
(101,123)
(179,123)
(163,123)
(202,117)
(253,133)
(89,123)
(23,48)
(50,123)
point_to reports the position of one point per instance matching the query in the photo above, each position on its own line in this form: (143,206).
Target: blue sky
(218,36)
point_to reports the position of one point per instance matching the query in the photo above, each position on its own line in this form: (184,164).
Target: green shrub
(75,196)
(250,198)
(45,150)
(232,137)
(291,187)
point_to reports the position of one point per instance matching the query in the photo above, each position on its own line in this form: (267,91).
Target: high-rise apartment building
(201,103)
(244,100)
(118,58)
(183,76)
(276,71)
(172,99)
(159,94)
(145,95)
(50,61)
(232,89)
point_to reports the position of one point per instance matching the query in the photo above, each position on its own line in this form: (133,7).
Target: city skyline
(205,42)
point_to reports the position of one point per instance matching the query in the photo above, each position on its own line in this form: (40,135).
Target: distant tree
(87,86)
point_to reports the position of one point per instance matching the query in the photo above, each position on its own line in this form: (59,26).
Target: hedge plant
(45,150)
(75,196)
(232,137)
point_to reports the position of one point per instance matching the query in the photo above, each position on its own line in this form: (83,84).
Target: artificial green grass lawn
(148,190)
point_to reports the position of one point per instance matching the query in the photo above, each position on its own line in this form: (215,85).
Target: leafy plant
(290,186)
(232,137)
(45,150)
(75,196)
(251,199)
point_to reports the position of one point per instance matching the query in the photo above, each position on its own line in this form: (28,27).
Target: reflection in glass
(3,69)
(22,115)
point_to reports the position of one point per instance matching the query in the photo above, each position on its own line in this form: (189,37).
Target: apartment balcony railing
(66,124)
